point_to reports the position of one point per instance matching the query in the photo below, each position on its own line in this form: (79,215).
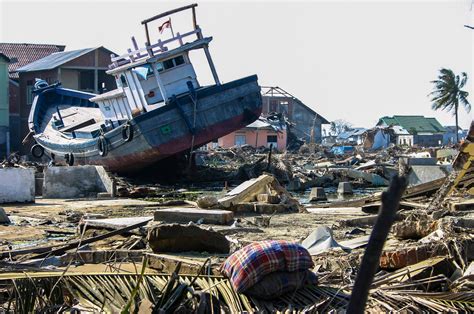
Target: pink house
(260,133)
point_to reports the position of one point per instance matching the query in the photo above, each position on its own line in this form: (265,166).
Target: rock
(317,194)
(179,238)
(4,217)
(207,201)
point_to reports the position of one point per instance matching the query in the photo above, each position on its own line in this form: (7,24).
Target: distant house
(21,54)
(352,136)
(4,108)
(450,136)
(306,123)
(82,69)
(415,130)
(263,132)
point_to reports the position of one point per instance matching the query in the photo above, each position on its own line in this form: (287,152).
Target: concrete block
(17,185)
(77,181)
(185,215)
(422,174)
(247,191)
(344,188)
(260,208)
(39,186)
(317,194)
(178,238)
(267,198)
(427,161)
(4,220)
(103,195)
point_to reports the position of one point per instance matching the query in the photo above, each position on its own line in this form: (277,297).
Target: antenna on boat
(151,19)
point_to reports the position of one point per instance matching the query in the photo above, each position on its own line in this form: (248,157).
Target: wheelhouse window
(123,80)
(170,63)
(178,60)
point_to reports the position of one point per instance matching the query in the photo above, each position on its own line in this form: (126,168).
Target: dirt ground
(48,221)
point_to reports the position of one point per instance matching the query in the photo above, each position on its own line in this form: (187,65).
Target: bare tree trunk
(457,127)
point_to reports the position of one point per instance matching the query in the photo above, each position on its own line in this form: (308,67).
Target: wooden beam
(144,22)
(50,251)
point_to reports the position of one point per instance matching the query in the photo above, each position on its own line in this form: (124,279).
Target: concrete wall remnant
(77,181)
(17,185)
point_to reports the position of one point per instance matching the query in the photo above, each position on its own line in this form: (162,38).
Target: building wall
(4,86)
(27,81)
(405,140)
(428,140)
(4,108)
(69,78)
(254,138)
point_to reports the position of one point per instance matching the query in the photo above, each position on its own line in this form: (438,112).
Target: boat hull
(173,129)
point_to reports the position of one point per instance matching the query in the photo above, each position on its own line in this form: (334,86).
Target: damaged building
(264,132)
(305,122)
(414,130)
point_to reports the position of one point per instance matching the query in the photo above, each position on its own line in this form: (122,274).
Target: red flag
(166,24)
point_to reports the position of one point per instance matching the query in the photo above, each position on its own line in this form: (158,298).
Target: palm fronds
(118,292)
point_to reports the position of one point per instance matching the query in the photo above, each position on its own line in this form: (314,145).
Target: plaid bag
(248,265)
(277,284)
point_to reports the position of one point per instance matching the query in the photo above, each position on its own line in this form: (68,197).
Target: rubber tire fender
(127,131)
(37,151)
(102,146)
(69,159)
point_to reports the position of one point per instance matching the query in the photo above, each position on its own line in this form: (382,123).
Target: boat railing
(150,50)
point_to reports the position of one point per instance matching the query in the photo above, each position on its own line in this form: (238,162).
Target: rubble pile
(164,247)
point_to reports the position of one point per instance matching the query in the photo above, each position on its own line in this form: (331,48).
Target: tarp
(321,240)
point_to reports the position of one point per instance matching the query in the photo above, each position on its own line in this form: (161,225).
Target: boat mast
(198,34)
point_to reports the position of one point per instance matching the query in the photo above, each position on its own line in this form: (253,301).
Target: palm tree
(447,94)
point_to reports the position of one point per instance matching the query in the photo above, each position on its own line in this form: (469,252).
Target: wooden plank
(169,13)
(114,223)
(75,244)
(185,215)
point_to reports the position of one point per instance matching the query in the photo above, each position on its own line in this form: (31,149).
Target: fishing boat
(158,110)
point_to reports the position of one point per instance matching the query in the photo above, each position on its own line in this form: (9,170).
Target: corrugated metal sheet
(414,124)
(23,54)
(54,60)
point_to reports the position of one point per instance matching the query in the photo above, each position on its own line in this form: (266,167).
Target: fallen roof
(351,132)
(276,91)
(22,54)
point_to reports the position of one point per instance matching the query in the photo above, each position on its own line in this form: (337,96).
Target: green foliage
(448,94)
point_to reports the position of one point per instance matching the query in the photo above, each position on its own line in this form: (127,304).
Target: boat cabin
(149,77)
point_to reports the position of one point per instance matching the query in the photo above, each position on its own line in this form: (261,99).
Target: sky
(351,60)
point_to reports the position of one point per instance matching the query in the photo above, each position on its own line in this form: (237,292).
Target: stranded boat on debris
(159,108)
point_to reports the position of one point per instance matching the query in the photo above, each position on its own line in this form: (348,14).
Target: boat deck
(71,116)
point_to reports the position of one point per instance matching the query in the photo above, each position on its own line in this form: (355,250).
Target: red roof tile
(23,54)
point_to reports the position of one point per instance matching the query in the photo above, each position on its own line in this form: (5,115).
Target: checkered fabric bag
(250,264)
